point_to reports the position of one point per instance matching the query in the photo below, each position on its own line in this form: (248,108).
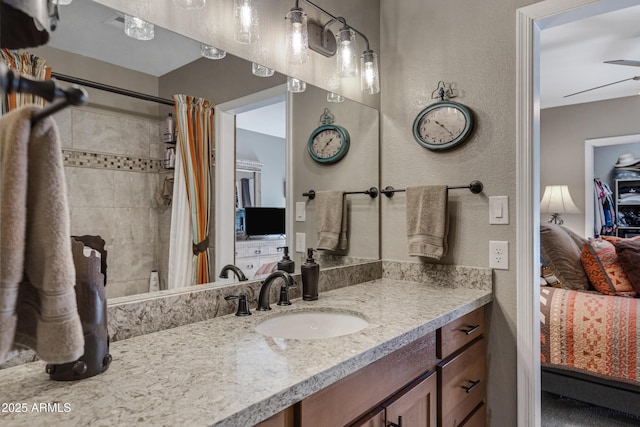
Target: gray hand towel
(37,277)
(427,220)
(331,220)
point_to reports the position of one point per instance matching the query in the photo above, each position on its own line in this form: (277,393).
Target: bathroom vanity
(415,355)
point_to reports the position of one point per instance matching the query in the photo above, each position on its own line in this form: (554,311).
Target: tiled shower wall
(114,178)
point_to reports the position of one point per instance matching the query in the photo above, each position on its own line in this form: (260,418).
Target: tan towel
(427,220)
(37,277)
(331,220)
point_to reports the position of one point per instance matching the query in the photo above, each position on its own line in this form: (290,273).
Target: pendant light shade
(261,70)
(334,97)
(212,52)
(245,21)
(137,28)
(346,54)
(297,36)
(369,75)
(190,4)
(296,85)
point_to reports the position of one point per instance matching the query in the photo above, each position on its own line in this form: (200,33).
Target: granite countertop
(221,372)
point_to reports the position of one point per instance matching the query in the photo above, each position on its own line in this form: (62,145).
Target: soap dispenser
(286,263)
(310,274)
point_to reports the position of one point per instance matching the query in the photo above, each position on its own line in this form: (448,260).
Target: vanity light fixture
(334,97)
(245,21)
(190,4)
(137,28)
(342,44)
(212,52)
(296,85)
(261,70)
(297,36)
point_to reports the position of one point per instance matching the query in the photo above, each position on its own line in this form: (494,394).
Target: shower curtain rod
(112,89)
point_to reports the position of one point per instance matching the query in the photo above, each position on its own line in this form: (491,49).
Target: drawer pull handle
(473,385)
(471,329)
(392,424)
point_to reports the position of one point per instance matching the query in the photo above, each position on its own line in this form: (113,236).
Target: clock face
(328,144)
(443,125)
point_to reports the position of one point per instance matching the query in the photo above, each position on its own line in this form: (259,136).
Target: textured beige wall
(563,131)
(471,44)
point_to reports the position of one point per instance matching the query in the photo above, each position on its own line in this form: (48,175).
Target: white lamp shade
(556,199)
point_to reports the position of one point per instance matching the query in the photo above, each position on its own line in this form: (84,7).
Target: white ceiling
(572,58)
(91,29)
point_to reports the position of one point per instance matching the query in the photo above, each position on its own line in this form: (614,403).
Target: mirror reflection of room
(260,187)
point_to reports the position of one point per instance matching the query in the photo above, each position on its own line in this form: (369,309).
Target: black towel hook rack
(372,192)
(12,82)
(475,187)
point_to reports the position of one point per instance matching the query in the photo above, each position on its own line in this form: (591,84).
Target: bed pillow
(561,249)
(604,270)
(628,251)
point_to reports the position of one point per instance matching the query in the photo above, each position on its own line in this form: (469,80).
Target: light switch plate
(499,210)
(301,242)
(301,211)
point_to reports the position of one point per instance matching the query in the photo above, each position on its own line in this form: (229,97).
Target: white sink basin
(312,324)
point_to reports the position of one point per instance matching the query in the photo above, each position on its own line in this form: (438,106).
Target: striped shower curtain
(194,124)
(28,65)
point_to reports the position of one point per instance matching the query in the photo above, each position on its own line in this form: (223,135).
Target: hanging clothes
(605,222)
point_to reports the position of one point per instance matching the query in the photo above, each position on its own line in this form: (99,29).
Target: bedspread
(590,332)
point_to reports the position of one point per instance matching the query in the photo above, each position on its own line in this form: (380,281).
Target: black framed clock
(328,143)
(443,125)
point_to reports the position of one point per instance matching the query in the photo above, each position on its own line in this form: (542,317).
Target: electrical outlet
(499,255)
(300,242)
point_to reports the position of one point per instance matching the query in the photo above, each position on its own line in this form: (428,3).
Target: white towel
(331,220)
(37,276)
(427,220)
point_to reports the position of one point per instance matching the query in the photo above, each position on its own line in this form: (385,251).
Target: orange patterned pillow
(605,272)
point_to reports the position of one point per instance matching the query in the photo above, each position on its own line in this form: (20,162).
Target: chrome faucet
(263,298)
(224,273)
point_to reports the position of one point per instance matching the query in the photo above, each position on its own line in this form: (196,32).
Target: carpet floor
(560,411)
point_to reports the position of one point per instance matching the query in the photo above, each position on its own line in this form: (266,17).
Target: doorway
(530,21)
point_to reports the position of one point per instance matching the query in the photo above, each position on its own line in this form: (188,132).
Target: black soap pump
(286,263)
(310,274)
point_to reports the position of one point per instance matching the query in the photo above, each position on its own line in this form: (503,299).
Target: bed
(590,320)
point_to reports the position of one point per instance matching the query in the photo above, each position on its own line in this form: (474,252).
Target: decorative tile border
(87,159)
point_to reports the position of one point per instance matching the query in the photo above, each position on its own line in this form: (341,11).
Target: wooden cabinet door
(416,405)
(375,418)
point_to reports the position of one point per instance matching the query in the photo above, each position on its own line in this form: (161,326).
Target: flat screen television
(263,221)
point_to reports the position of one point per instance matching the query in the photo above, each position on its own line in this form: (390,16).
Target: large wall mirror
(114,158)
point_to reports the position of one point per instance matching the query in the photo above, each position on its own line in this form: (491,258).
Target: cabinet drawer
(458,333)
(462,381)
(478,418)
(275,249)
(348,399)
(248,265)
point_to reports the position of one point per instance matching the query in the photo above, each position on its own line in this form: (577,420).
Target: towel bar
(372,192)
(475,187)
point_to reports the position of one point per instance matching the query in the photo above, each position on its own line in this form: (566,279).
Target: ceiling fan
(630,62)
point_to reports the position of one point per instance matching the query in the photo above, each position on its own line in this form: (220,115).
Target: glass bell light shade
(369,75)
(261,70)
(334,97)
(297,36)
(296,85)
(212,52)
(245,23)
(346,54)
(64,2)
(191,4)
(137,28)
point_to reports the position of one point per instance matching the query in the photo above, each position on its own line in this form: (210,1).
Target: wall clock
(328,143)
(443,125)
